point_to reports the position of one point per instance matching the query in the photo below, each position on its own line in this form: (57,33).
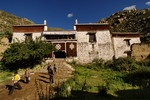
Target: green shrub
(109,64)
(1,66)
(26,54)
(145,62)
(9,35)
(134,66)
(139,77)
(98,62)
(123,64)
(65,89)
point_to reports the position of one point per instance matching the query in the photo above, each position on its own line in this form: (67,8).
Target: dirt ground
(38,87)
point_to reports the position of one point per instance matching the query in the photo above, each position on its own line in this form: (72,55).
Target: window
(60,36)
(28,36)
(127,41)
(128,53)
(92,37)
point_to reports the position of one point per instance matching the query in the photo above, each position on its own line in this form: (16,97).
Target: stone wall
(140,51)
(120,45)
(21,36)
(102,48)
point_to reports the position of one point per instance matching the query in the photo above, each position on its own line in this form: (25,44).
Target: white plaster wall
(83,47)
(105,47)
(82,36)
(120,45)
(21,37)
(106,51)
(83,52)
(36,35)
(18,36)
(102,48)
(103,37)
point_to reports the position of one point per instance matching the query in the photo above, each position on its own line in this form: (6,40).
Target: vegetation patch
(26,54)
(104,80)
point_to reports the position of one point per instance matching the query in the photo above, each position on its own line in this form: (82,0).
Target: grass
(103,77)
(92,82)
(95,81)
(5,76)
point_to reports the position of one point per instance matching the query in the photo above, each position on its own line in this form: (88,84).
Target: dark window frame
(92,37)
(28,36)
(127,42)
(60,36)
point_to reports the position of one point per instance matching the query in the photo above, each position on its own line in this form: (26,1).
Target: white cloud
(130,7)
(148,3)
(70,15)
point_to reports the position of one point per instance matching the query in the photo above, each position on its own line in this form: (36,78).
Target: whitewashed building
(122,43)
(84,43)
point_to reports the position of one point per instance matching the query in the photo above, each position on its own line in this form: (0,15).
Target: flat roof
(125,33)
(30,25)
(93,24)
(59,32)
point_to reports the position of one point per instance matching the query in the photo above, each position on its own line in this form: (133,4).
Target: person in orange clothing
(15,80)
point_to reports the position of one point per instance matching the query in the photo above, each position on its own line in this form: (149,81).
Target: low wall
(140,51)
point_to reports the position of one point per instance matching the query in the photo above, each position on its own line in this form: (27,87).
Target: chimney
(76,22)
(45,27)
(44,22)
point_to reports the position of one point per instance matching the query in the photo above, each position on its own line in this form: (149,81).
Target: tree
(9,35)
(26,54)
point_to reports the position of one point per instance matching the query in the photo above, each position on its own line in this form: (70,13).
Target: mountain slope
(129,21)
(8,20)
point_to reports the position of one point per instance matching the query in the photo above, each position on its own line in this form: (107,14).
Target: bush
(99,62)
(109,64)
(124,64)
(145,62)
(65,88)
(26,54)
(139,77)
(9,35)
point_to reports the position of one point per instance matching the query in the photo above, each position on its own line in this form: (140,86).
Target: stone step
(61,65)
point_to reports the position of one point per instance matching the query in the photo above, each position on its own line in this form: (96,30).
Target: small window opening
(92,37)
(127,42)
(28,36)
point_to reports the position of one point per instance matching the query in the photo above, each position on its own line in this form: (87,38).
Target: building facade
(123,41)
(93,41)
(85,43)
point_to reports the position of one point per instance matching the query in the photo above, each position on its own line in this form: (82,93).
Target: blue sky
(62,13)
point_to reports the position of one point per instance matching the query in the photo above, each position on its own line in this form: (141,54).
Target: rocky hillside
(129,21)
(8,20)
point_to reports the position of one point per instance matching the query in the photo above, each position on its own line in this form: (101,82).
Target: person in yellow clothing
(15,79)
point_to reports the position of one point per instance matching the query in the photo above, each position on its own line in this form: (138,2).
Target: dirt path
(39,85)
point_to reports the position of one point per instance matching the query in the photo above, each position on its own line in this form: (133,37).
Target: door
(60,53)
(71,49)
